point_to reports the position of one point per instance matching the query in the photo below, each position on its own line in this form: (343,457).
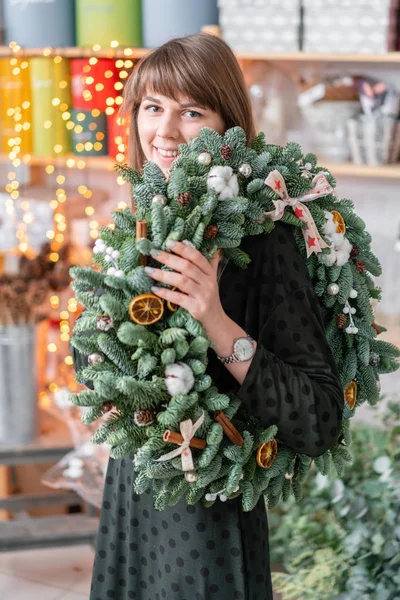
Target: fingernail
(171,244)
(155,289)
(149,269)
(154,252)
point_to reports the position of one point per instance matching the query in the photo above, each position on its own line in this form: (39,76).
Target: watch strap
(233,358)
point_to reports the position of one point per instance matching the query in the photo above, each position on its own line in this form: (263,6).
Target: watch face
(243,348)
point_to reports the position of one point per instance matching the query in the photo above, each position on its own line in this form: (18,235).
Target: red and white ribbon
(321,188)
(188,429)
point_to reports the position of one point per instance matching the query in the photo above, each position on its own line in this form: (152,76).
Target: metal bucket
(18,385)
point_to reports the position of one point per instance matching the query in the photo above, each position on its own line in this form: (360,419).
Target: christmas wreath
(148,358)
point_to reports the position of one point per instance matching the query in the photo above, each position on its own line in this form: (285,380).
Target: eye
(193,114)
(151,107)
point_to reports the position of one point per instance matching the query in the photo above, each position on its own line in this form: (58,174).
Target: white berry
(111,271)
(110,250)
(353,293)
(119,274)
(115,254)
(353,310)
(223,498)
(346,310)
(108,258)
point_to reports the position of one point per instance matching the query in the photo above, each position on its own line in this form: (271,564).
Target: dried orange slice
(266,454)
(338,219)
(146,309)
(171,306)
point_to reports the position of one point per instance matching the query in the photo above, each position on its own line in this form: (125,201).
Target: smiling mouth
(167,153)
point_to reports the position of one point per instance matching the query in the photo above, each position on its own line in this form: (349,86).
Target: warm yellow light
(14,185)
(52,348)
(11,142)
(16,162)
(121,147)
(59,218)
(23,247)
(26,126)
(111,226)
(94,234)
(11,175)
(128,51)
(88,194)
(82,189)
(93,60)
(99,87)
(53,204)
(65,116)
(9,188)
(20,234)
(28,218)
(86,69)
(64,315)
(49,169)
(89,80)
(118,85)
(10,112)
(120,181)
(108,74)
(92,126)
(24,64)
(57,59)
(14,194)
(122,205)
(18,127)
(47,124)
(70,162)
(78,128)
(54,256)
(81,164)
(63,106)
(60,179)
(119,100)
(110,110)
(119,64)
(54,301)
(53,387)
(64,337)
(120,157)
(61,227)
(16,71)
(110,101)
(26,104)
(95,112)
(123,74)
(68,360)
(96,47)
(99,136)
(56,101)
(80,117)
(97,146)
(70,125)
(114,44)
(94,225)
(50,235)
(59,238)
(44,400)
(79,147)
(13,61)
(88,146)
(46,51)
(17,117)
(63,84)
(89,210)
(128,64)
(58,148)
(72,309)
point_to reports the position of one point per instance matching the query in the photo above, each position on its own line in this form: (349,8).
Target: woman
(291,380)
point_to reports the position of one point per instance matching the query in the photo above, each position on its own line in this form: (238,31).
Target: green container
(51,99)
(104,21)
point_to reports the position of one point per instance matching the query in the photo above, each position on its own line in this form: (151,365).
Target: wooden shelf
(137,53)
(107,163)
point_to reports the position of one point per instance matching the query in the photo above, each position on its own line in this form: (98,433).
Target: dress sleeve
(293,381)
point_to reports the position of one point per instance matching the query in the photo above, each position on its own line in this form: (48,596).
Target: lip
(165,159)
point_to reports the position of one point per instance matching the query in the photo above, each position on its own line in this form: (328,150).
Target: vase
(18,385)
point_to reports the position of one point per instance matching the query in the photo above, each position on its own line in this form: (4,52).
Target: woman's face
(164,123)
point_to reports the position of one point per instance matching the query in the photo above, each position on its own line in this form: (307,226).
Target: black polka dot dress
(196,553)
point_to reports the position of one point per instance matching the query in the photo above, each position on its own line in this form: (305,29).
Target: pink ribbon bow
(321,188)
(188,429)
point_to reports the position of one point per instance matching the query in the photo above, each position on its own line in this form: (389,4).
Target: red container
(93,84)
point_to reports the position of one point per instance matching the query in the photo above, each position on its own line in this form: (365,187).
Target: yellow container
(15,106)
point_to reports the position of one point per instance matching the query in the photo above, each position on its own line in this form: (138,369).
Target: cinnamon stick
(229,429)
(141,232)
(176,438)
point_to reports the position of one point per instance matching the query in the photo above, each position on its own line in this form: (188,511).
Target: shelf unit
(137,53)
(107,163)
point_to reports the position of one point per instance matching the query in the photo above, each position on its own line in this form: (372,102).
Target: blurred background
(324,73)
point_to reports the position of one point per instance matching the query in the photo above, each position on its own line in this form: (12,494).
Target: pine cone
(210,232)
(106,407)
(374,359)
(341,321)
(144,416)
(361,268)
(226,152)
(354,252)
(184,198)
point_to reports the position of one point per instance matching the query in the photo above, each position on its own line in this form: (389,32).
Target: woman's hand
(194,276)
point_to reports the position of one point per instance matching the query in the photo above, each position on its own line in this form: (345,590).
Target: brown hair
(203,68)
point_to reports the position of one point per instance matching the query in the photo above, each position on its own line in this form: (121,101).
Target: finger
(180,264)
(215,260)
(191,254)
(183,283)
(175,297)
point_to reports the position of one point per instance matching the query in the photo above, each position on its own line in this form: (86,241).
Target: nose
(167,126)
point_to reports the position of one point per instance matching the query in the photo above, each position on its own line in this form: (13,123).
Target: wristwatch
(243,349)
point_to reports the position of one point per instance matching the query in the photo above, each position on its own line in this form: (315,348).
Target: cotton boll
(178,378)
(328,216)
(329,228)
(328,258)
(223,181)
